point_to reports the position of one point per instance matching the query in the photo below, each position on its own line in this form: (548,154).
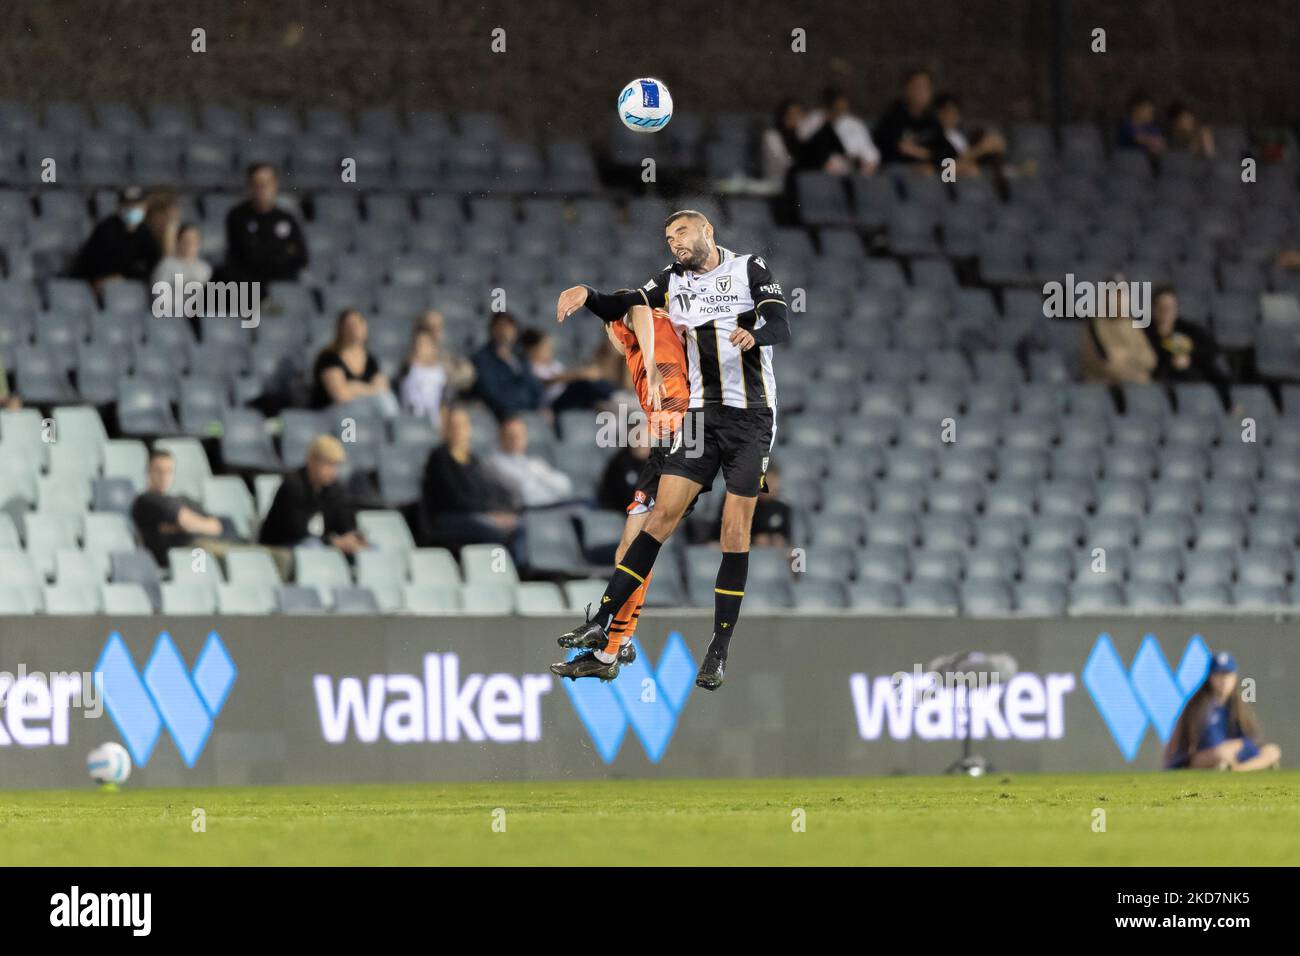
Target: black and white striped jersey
(706,308)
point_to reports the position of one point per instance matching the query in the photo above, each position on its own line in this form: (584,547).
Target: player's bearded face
(694,251)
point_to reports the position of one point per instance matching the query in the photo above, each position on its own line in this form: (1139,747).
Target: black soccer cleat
(588,635)
(626,653)
(712,673)
(586,665)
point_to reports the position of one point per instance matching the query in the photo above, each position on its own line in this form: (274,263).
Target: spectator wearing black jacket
(167,521)
(121,246)
(463,501)
(503,378)
(311,508)
(909,132)
(264,243)
(1185,352)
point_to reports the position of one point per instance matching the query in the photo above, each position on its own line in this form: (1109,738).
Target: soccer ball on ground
(645,105)
(109,764)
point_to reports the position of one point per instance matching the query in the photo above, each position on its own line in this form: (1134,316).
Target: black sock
(727,594)
(629,575)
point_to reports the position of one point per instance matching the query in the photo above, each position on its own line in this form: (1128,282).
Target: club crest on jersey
(724,284)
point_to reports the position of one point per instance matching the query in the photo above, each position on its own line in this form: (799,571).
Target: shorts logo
(724,284)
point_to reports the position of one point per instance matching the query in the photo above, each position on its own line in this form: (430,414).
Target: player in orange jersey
(664,392)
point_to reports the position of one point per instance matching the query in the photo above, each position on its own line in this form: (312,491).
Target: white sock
(605,658)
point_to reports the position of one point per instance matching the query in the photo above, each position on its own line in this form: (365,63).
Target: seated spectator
(909,132)
(781,147)
(1113,350)
(773,518)
(982,147)
(619,480)
(1183,132)
(462,501)
(347,373)
(264,243)
(182,257)
(1217,729)
(168,521)
(1184,351)
(503,379)
(850,148)
(1139,130)
(460,370)
(562,389)
(311,508)
(425,389)
(121,246)
(533,482)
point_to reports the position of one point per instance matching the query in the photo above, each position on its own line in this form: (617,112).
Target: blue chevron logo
(1149,692)
(648,701)
(164,694)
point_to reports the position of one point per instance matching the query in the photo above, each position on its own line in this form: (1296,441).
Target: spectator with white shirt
(426,388)
(183,265)
(533,482)
(856,153)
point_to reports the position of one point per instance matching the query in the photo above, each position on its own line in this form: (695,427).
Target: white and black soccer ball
(645,105)
(109,763)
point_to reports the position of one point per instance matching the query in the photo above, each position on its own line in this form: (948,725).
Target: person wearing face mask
(120,247)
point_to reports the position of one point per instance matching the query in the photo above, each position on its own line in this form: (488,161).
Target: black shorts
(647,484)
(737,440)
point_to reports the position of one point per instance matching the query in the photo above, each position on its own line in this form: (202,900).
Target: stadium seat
(297,599)
(322,568)
(126,599)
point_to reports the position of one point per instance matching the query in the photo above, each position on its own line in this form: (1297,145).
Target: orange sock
(624,625)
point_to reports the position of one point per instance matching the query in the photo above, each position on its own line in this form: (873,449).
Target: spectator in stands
(773,518)
(503,379)
(562,388)
(181,257)
(1139,130)
(263,242)
(1184,132)
(463,502)
(169,521)
(909,132)
(835,140)
(781,147)
(980,148)
(121,246)
(534,483)
(460,370)
(1113,350)
(1217,728)
(425,388)
(1184,351)
(347,373)
(311,508)
(619,480)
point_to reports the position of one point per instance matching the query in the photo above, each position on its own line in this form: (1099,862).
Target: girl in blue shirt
(1217,728)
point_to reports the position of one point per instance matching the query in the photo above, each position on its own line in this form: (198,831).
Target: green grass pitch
(1187,818)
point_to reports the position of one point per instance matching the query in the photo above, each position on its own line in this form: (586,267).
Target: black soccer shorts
(647,484)
(737,440)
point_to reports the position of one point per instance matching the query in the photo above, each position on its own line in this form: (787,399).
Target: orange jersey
(670,356)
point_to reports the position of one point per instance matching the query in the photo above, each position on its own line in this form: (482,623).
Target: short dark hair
(157,453)
(830,94)
(254,168)
(530,337)
(685,214)
(502,317)
(916,71)
(1137,98)
(1163,289)
(945,99)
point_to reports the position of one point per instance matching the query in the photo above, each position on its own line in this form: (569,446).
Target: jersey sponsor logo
(772,288)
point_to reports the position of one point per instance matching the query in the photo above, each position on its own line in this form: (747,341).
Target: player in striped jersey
(730,311)
(661,385)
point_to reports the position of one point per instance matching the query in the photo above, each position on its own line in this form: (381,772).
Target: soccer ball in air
(645,105)
(109,764)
